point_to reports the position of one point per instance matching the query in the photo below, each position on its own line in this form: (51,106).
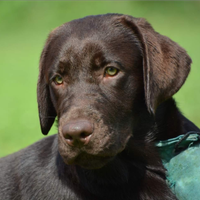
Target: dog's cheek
(57,96)
(112,137)
(121,116)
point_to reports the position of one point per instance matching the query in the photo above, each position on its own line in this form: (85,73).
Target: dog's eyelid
(117,65)
(54,76)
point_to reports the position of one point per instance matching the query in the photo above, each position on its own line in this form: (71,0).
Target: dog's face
(94,75)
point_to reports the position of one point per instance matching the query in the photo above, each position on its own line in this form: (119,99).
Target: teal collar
(173,146)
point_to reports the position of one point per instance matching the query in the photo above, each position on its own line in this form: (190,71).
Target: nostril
(68,137)
(83,135)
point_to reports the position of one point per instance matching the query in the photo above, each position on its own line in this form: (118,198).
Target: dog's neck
(117,180)
(125,176)
(168,122)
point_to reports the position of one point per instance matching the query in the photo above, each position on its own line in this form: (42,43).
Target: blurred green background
(24,27)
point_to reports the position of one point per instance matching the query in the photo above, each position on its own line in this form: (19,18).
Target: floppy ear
(46,109)
(165,64)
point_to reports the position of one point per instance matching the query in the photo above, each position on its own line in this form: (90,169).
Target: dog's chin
(87,161)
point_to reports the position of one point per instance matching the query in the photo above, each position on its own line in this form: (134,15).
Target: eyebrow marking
(120,64)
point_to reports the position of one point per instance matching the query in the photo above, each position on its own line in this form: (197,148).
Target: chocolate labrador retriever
(109,80)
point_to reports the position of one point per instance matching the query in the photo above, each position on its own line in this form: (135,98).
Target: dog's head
(95,75)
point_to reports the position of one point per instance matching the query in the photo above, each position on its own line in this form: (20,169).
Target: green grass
(24,27)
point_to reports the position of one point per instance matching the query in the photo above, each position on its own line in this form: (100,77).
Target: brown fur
(120,116)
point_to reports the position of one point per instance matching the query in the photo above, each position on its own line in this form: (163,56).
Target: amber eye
(58,80)
(111,71)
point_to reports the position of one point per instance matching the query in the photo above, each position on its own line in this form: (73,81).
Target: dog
(109,81)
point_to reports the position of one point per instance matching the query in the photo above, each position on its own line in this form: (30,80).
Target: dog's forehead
(92,25)
(87,37)
(93,29)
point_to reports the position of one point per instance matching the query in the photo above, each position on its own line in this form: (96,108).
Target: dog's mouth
(89,158)
(102,146)
(88,161)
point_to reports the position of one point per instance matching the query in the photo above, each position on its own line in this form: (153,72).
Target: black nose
(78,132)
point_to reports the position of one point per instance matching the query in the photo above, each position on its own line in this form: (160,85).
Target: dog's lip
(81,153)
(94,163)
(78,152)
